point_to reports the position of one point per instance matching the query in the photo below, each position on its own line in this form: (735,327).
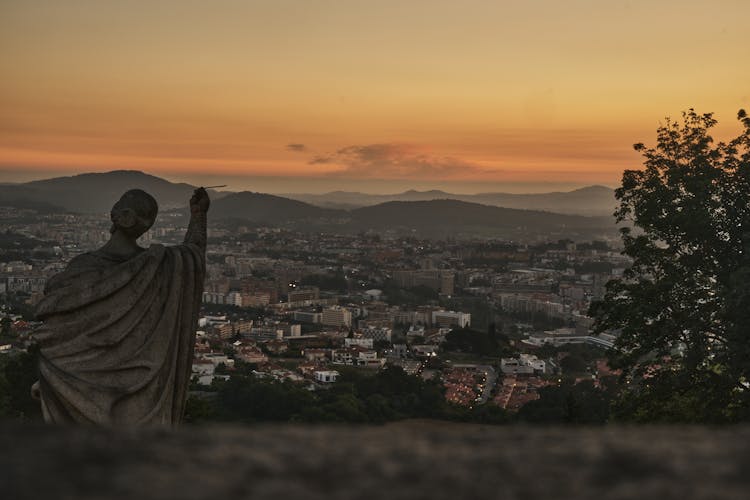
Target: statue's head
(134,213)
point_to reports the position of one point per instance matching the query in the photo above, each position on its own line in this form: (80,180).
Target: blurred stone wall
(411,460)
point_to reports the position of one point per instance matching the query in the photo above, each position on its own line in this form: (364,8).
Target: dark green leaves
(680,307)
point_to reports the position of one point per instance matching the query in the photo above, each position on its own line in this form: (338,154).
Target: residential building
(326,376)
(451,318)
(336,316)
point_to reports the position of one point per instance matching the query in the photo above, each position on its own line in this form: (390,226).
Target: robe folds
(116,346)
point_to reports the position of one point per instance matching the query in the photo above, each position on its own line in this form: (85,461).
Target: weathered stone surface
(402,461)
(116,345)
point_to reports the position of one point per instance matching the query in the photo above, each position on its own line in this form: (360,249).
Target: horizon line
(325,185)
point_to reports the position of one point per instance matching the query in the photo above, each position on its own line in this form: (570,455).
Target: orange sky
(298,95)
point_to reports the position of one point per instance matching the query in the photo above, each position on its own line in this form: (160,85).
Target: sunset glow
(369,96)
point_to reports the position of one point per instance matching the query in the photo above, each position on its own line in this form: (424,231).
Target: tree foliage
(568,403)
(681,309)
(490,343)
(6,327)
(388,395)
(18,372)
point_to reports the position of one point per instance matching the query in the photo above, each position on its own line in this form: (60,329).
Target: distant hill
(19,197)
(267,208)
(96,192)
(592,200)
(453,217)
(433,218)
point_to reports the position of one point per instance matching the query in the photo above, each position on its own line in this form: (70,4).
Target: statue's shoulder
(87,261)
(95,261)
(91,267)
(156,251)
(98,259)
(73,272)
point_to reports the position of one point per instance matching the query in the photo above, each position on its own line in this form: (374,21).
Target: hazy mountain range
(592,200)
(446,218)
(432,213)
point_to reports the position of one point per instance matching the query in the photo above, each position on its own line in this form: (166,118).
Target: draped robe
(118,337)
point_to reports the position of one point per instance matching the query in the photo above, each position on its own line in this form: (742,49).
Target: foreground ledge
(400,461)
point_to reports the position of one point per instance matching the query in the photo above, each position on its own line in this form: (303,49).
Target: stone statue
(116,346)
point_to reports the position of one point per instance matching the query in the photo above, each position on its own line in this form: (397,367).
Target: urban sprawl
(305,306)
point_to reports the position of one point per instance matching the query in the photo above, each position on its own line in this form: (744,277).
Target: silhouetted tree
(581,403)
(492,334)
(356,397)
(682,306)
(17,374)
(573,363)
(5,327)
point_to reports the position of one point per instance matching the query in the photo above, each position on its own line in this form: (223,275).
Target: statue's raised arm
(119,327)
(196,233)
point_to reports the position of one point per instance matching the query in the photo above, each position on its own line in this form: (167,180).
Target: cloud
(321,160)
(391,160)
(296,147)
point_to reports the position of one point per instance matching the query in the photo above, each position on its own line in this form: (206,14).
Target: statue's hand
(200,201)
(35,392)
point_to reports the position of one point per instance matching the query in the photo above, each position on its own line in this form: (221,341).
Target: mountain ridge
(594,200)
(448,217)
(95,192)
(431,214)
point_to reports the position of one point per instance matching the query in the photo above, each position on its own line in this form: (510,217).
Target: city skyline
(381,98)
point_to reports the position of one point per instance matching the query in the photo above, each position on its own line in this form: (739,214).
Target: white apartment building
(336,316)
(451,318)
(377,333)
(367,343)
(524,364)
(325,376)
